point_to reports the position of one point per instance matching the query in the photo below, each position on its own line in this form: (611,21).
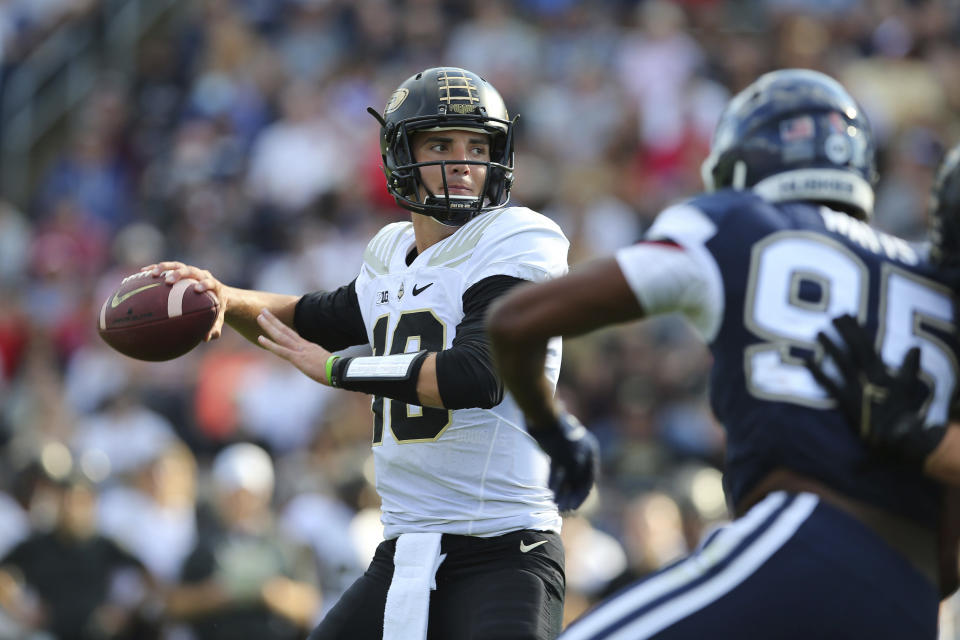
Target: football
(148,319)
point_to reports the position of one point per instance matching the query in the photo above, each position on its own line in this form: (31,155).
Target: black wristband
(336,371)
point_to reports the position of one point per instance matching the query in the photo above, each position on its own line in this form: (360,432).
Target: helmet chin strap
(453,203)
(447,200)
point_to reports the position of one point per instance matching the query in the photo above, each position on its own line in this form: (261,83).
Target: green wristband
(329,368)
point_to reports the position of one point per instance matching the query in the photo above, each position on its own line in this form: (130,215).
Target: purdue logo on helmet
(445,98)
(795,134)
(396,100)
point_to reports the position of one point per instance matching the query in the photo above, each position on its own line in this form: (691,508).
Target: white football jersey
(465,471)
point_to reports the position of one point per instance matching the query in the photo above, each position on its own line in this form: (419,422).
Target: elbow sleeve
(466,376)
(331,319)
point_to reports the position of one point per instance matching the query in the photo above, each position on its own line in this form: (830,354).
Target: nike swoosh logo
(525,548)
(118,300)
(417,292)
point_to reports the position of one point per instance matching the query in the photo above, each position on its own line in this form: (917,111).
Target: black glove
(574,459)
(884,407)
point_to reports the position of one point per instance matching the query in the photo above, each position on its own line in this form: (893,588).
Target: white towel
(415,565)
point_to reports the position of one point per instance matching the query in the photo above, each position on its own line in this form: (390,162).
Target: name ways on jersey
(876,241)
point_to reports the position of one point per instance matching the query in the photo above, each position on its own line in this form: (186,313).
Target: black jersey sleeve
(331,319)
(466,376)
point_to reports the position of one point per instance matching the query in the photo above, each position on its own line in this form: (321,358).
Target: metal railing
(58,74)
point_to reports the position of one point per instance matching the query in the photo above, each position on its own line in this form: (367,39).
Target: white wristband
(377,368)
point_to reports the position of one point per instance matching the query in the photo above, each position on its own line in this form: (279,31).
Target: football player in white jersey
(472,547)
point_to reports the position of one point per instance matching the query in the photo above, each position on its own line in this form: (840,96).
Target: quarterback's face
(465,180)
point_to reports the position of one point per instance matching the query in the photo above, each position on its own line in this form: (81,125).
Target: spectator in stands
(152,513)
(245,579)
(71,580)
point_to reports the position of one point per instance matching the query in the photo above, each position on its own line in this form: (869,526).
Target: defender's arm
(521,324)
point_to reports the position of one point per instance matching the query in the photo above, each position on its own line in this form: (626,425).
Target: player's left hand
(281,340)
(884,407)
(574,459)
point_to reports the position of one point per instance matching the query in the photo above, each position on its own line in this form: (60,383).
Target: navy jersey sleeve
(331,319)
(466,376)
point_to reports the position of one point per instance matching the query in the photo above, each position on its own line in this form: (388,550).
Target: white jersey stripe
(717,550)
(742,568)
(693,568)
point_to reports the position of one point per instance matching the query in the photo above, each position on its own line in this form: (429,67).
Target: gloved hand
(884,407)
(574,459)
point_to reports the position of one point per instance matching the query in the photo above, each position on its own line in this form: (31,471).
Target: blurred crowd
(224,490)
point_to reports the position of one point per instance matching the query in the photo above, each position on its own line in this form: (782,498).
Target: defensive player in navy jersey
(828,541)
(887,408)
(472,547)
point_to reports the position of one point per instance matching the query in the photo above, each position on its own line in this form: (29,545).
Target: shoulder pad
(382,246)
(515,241)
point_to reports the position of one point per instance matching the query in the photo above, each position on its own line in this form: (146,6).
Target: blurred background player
(825,544)
(465,504)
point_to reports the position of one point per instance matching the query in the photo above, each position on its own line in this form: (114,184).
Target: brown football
(148,319)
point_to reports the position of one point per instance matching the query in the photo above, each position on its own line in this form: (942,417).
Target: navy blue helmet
(795,134)
(944,211)
(437,99)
